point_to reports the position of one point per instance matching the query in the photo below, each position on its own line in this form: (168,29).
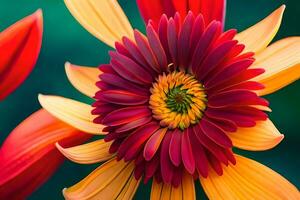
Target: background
(65,40)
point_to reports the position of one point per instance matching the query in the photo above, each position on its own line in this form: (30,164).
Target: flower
(173,103)
(20,46)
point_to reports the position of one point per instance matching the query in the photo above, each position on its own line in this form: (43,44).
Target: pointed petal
(72,112)
(153,143)
(261,137)
(250,179)
(20,46)
(29,153)
(104,19)
(257,37)
(105,182)
(93,152)
(281,62)
(83,78)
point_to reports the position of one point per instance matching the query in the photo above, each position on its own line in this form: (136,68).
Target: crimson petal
(20,46)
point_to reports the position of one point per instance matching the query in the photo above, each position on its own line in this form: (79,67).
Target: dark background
(65,40)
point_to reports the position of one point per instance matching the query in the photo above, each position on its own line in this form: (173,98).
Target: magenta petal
(199,153)
(146,51)
(175,148)
(172,38)
(134,124)
(206,40)
(134,142)
(152,166)
(153,144)
(183,40)
(121,97)
(210,145)
(165,162)
(126,115)
(187,153)
(216,165)
(236,97)
(198,29)
(215,133)
(157,48)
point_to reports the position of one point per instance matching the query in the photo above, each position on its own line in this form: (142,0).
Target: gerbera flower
(173,103)
(20,46)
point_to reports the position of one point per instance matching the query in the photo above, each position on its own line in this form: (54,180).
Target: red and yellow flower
(174,102)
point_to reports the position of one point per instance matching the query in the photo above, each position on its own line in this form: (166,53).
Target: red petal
(167,168)
(153,144)
(20,46)
(187,152)
(211,10)
(175,148)
(28,156)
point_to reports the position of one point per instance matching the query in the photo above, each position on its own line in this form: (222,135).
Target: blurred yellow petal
(185,191)
(129,189)
(93,152)
(156,190)
(188,187)
(105,182)
(281,61)
(248,179)
(104,19)
(72,112)
(261,137)
(257,37)
(83,78)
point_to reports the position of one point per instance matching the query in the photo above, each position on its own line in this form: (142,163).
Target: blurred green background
(65,40)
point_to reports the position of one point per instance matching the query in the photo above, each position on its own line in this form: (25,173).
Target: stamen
(177,100)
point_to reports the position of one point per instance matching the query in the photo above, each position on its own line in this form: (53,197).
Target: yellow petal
(93,152)
(188,187)
(263,136)
(106,182)
(83,78)
(257,37)
(281,62)
(129,189)
(104,19)
(248,179)
(185,191)
(72,112)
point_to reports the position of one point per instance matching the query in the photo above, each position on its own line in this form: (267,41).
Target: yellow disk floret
(177,100)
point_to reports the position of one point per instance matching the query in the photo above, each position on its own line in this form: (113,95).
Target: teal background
(65,40)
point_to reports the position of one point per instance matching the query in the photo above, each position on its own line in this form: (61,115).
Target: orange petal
(83,78)
(74,113)
(248,179)
(104,19)
(29,153)
(93,152)
(185,191)
(20,46)
(257,37)
(106,182)
(281,62)
(261,137)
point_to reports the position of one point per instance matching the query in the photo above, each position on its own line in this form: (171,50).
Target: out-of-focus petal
(74,113)
(258,36)
(28,156)
(83,78)
(281,62)
(93,152)
(20,46)
(261,137)
(154,9)
(104,19)
(248,179)
(185,191)
(108,181)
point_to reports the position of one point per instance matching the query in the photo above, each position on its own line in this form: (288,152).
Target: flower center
(178,100)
